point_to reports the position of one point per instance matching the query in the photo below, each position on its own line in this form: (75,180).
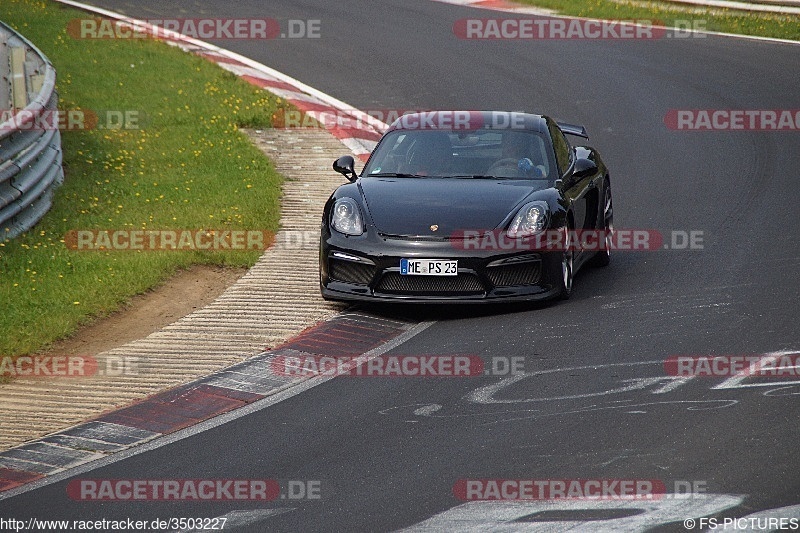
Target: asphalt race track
(594,402)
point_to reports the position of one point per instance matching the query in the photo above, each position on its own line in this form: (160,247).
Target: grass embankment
(185,167)
(711,19)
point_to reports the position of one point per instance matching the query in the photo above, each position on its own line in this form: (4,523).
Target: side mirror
(584,167)
(345,166)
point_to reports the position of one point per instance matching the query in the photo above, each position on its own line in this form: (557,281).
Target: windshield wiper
(396,175)
(483,177)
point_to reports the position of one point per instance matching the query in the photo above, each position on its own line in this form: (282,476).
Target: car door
(575,189)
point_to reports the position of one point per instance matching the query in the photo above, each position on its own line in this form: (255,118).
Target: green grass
(720,20)
(187,167)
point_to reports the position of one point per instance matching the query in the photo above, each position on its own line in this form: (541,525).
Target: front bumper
(367,268)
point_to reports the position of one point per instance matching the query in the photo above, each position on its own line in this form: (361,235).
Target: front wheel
(603,257)
(567,266)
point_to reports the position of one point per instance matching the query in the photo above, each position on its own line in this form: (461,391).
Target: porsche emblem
(434,227)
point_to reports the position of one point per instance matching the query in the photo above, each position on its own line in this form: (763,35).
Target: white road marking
(485,395)
(521,516)
(736,382)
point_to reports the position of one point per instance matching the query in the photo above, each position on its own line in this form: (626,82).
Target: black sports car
(464,206)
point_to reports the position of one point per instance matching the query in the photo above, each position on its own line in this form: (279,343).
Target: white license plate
(428,267)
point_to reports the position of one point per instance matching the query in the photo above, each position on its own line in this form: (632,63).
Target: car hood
(410,206)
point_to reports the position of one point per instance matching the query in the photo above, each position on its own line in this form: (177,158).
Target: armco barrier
(30,156)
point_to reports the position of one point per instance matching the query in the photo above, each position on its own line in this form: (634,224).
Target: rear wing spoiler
(572,129)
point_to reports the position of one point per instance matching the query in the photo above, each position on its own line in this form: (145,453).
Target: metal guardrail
(30,142)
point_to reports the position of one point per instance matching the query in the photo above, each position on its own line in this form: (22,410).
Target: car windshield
(483,153)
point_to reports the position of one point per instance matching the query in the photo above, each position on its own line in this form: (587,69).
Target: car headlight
(346,217)
(531,219)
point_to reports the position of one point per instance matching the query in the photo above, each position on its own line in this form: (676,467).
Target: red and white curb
(351,334)
(357,130)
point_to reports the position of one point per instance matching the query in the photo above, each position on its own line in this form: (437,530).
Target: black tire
(603,257)
(567,266)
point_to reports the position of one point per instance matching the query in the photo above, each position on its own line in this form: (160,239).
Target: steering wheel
(506,162)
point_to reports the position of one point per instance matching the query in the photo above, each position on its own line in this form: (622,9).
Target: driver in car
(517,157)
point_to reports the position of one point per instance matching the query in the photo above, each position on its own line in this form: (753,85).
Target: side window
(561,147)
